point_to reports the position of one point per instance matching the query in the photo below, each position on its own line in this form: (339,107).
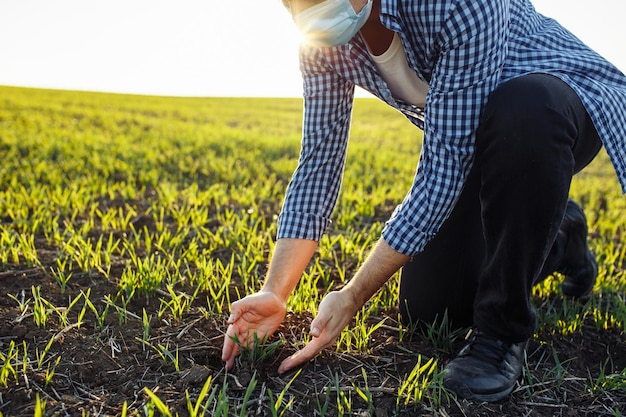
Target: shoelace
(487,348)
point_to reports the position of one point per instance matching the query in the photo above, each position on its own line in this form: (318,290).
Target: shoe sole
(464,391)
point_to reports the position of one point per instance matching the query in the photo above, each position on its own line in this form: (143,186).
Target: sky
(223,48)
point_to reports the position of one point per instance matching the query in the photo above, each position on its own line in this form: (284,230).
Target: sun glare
(199,47)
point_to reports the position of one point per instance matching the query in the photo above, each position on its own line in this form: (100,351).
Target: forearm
(338,307)
(290,258)
(379,266)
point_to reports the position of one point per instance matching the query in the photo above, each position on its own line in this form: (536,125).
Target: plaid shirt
(463,49)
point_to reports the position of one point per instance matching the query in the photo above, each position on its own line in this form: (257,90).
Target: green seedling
(322,409)
(100,316)
(144,276)
(222,404)
(25,361)
(26,245)
(83,310)
(415,385)
(40,311)
(63,312)
(41,356)
(363,333)
(158,403)
(60,275)
(205,398)
(178,304)
(608,381)
(441,334)
(145,320)
(40,407)
(8,247)
(7,361)
(258,352)
(344,397)
(22,305)
(165,353)
(357,337)
(122,312)
(365,392)
(278,407)
(50,372)
(248,393)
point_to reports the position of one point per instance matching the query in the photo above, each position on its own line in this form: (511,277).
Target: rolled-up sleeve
(471,52)
(314,187)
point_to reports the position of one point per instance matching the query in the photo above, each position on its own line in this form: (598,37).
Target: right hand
(260,313)
(335,313)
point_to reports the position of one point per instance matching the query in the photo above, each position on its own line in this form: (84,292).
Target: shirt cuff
(294,225)
(404,237)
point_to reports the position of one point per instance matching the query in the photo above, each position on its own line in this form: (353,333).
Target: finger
(230,349)
(314,347)
(319,323)
(228,345)
(231,361)
(235,313)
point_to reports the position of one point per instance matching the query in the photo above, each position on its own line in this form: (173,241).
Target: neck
(377,37)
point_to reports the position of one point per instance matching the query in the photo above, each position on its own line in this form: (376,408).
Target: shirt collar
(389,14)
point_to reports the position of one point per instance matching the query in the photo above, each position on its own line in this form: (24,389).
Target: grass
(129,223)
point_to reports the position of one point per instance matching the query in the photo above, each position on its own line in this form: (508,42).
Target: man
(512,105)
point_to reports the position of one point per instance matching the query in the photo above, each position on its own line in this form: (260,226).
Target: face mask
(332,22)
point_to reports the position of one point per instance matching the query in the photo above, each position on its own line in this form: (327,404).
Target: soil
(102,367)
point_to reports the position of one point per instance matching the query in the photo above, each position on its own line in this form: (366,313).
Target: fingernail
(315,331)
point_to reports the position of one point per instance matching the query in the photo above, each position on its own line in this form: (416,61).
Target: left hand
(335,312)
(259,315)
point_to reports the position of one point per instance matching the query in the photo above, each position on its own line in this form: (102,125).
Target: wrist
(288,262)
(380,264)
(354,296)
(276,293)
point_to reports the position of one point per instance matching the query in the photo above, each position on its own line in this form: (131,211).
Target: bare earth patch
(101,368)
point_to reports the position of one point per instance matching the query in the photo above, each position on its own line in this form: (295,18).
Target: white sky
(200,47)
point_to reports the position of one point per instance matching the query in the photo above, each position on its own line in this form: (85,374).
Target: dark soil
(101,368)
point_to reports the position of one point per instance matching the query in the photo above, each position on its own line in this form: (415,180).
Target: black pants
(501,236)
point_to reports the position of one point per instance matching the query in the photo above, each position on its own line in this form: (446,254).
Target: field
(128,224)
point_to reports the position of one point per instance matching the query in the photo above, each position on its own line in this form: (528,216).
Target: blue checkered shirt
(463,49)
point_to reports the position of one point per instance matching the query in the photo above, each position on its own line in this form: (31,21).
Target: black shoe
(486,369)
(579,264)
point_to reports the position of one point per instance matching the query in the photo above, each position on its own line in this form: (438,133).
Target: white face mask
(332,22)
